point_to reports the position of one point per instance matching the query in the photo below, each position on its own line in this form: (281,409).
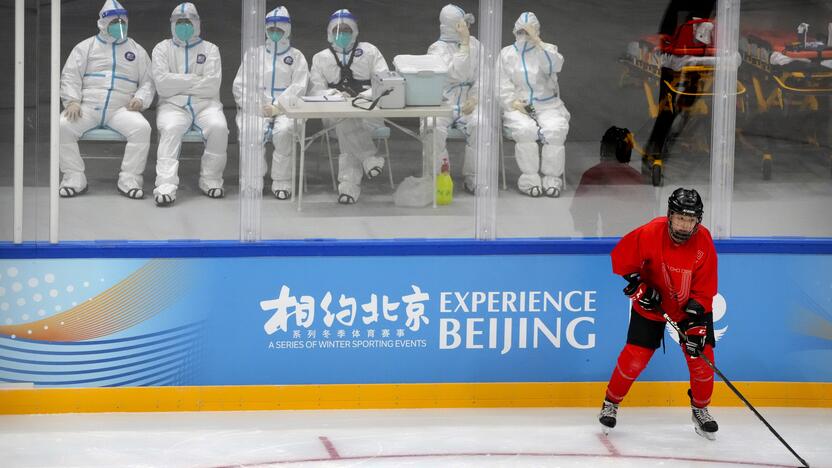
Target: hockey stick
(682,337)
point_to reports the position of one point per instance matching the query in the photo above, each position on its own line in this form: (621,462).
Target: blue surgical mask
(117,31)
(184,31)
(276,36)
(343,39)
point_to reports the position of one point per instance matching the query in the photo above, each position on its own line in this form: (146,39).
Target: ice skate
(704,423)
(607,418)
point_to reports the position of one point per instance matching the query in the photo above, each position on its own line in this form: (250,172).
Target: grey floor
(795,202)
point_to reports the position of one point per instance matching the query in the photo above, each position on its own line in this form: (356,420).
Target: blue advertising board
(389,319)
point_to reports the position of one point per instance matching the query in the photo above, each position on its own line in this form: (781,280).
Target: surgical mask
(343,39)
(276,36)
(184,31)
(117,30)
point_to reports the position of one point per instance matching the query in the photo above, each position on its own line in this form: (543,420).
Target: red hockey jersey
(679,272)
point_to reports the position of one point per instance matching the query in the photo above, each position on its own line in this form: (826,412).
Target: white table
(345,110)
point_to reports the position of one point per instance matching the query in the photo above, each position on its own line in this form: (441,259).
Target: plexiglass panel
(147,151)
(782,183)
(371,177)
(604,109)
(621,102)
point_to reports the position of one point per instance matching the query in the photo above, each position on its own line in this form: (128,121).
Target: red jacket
(679,272)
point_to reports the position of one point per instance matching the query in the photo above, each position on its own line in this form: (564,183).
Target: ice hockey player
(669,264)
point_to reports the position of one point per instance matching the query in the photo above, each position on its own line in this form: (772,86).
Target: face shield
(117,28)
(342,35)
(116,21)
(278,25)
(275,32)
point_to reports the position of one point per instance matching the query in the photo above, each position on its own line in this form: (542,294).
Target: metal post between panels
(489,127)
(723,130)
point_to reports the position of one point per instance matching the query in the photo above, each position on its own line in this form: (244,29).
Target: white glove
(464,33)
(519,105)
(469,105)
(271,111)
(135,104)
(287,101)
(534,37)
(72,111)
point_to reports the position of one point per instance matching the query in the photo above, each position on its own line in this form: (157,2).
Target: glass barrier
(603,117)
(7,104)
(600,111)
(370,178)
(146,149)
(782,183)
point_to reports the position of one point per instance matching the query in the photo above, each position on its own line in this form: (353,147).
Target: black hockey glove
(646,296)
(633,280)
(695,327)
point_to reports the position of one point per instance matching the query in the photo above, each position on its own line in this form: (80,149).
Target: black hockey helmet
(685,202)
(616,143)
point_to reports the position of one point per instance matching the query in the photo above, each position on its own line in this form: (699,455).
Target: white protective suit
(103,74)
(358,151)
(461,88)
(529,74)
(285,73)
(188,76)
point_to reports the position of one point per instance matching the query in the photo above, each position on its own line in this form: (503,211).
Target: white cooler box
(425,77)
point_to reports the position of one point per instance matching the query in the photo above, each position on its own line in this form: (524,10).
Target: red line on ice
(609,445)
(330,448)
(507,454)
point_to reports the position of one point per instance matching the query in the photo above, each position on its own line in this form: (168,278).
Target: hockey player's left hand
(696,332)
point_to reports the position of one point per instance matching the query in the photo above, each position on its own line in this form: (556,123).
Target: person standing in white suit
(461,52)
(188,72)
(285,78)
(532,109)
(105,83)
(345,68)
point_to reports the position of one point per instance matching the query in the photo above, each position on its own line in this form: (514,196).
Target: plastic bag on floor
(414,192)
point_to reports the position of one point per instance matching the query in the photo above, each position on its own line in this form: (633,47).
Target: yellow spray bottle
(444,186)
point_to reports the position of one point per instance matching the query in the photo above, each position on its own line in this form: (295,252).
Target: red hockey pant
(633,359)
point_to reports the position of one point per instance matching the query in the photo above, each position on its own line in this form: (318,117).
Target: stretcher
(679,69)
(791,78)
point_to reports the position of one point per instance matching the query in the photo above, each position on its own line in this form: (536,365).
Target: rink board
(413,329)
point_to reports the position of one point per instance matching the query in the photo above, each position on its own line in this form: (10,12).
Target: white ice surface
(645,437)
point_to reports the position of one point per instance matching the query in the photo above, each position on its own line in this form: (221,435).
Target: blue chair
(108,134)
